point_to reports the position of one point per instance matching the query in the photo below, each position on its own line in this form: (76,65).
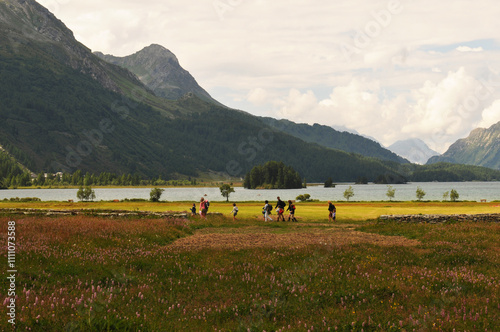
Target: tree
(362,180)
(273,175)
(420,193)
(454,195)
(303,198)
(348,193)
(446,195)
(390,192)
(329,183)
(155,194)
(226,190)
(85,194)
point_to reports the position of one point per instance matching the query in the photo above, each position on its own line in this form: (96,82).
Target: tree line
(273,175)
(12,176)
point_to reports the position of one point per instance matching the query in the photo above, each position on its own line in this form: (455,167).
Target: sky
(390,69)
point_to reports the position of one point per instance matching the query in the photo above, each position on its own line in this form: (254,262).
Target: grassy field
(82,273)
(354,211)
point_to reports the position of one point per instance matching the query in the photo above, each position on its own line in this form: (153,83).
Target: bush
(24,199)
(155,194)
(303,198)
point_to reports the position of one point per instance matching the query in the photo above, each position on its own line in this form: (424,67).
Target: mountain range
(65,108)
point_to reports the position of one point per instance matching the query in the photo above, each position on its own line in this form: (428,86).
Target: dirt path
(261,237)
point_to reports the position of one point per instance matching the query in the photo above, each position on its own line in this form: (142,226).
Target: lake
(468,191)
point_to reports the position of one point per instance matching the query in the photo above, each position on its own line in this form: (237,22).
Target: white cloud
(469,49)
(296,105)
(490,115)
(259,97)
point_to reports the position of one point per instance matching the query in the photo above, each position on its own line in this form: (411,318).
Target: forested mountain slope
(331,138)
(481,148)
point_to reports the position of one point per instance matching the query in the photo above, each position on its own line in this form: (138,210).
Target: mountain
(481,148)
(413,149)
(331,138)
(159,70)
(65,109)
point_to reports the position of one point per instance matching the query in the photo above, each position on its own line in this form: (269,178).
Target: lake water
(468,191)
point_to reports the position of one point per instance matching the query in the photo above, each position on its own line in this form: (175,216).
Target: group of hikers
(280,209)
(266,210)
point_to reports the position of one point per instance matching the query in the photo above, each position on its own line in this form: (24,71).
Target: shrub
(303,198)
(155,194)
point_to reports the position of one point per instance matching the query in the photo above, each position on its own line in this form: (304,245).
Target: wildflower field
(87,273)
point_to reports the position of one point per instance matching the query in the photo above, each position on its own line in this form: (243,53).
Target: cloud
(439,113)
(469,49)
(490,115)
(259,96)
(296,105)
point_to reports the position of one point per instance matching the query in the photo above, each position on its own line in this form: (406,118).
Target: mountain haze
(481,148)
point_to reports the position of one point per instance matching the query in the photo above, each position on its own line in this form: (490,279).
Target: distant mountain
(481,148)
(328,137)
(413,149)
(160,71)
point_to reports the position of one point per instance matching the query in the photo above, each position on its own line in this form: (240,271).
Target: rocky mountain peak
(159,69)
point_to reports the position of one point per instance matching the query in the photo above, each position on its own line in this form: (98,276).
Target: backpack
(207,204)
(269,208)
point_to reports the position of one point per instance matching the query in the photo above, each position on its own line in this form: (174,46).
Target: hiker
(266,210)
(203,208)
(235,211)
(332,212)
(291,208)
(193,210)
(280,208)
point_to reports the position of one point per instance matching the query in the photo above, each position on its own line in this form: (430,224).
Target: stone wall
(97,213)
(439,218)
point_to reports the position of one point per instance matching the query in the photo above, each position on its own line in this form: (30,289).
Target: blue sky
(391,70)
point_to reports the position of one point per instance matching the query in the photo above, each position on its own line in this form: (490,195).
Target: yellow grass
(305,211)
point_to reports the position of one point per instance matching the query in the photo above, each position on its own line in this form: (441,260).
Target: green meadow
(89,273)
